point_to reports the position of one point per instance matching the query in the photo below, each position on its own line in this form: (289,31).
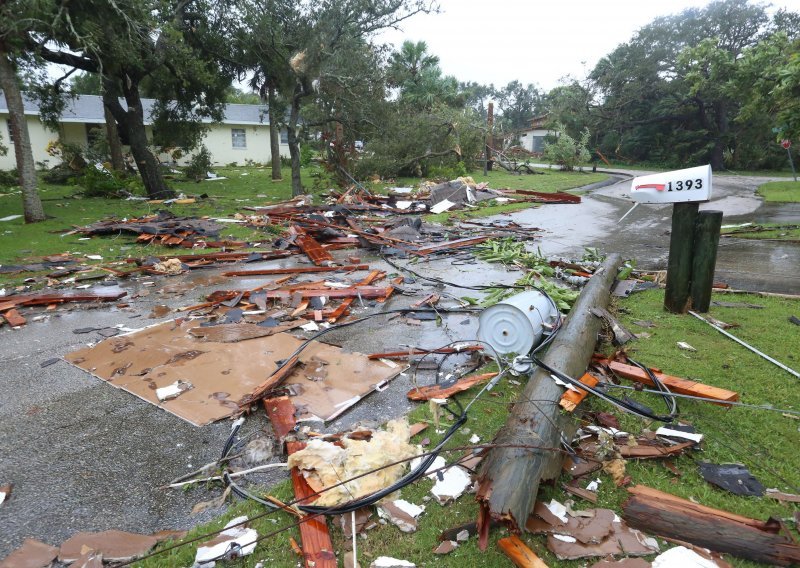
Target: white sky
(497,41)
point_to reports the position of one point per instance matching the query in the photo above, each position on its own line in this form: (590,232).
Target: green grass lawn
(764,441)
(773,231)
(780,191)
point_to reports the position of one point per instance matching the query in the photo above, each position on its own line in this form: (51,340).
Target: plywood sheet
(327,381)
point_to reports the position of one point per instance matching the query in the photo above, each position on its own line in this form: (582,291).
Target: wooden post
(706,240)
(509,477)
(679,265)
(489,135)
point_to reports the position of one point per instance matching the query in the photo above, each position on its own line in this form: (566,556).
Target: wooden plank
(519,553)
(437,391)
(669,516)
(572,399)
(14,318)
(451,245)
(317,545)
(675,384)
(296,270)
(273,381)
(345,305)
(409,352)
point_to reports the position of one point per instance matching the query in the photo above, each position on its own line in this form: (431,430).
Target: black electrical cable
(671,401)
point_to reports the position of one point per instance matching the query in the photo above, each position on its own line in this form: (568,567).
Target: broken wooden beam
(509,477)
(272,382)
(317,545)
(312,249)
(519,553)
(674,384)
(420,394)
(345,305)
(670,516)
(296,270)
(451,245)
(572,399)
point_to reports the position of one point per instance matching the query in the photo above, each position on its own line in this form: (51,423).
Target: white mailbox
(692,184)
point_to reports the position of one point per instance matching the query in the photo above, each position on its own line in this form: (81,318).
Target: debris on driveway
(235,541)
(32,554)
(113,545)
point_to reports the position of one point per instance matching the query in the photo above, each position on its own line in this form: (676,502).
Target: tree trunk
(114,143)
(294,146)
(31,204)
(131,124)
(274,134)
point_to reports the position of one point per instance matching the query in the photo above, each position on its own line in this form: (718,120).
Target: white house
(243,135)
(532,139)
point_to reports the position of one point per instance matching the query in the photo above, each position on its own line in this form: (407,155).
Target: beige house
(242,136)
(532,139)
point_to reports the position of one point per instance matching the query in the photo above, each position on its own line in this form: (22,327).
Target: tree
(296,40)
(90,84)
(417,76)
(176,47)
(518,104)
(566,151)
(11,53)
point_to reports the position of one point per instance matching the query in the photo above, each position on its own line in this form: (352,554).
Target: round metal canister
(517,324)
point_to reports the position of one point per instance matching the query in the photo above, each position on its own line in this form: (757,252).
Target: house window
(238,138)
(284,136)
(10,132)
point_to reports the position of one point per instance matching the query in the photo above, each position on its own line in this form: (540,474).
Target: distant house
(532,139)
(243,134)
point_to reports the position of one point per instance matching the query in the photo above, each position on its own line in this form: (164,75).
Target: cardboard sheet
(327,381)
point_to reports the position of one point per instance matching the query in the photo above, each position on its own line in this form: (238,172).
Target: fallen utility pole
(509,477)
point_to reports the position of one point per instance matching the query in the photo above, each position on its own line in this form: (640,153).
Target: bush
(9,178)
(306,154)
(199,165)
(60,174)
(566,151)
(99,182)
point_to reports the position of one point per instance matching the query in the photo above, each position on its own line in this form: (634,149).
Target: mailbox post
(694,238)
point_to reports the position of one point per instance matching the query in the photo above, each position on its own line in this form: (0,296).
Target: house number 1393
(688,184)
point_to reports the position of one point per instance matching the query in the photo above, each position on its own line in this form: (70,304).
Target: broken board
(327,381)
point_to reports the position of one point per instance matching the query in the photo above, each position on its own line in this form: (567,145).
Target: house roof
(89,108)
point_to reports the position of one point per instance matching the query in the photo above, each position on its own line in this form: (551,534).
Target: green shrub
(566,151)
(199,165)
(306,154)
(60,174)
(9,178)
(99,182)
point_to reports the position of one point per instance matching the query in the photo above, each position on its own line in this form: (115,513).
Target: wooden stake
(518,552)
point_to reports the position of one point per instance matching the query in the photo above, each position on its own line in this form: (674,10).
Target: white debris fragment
(174,390)
(11,217)
(389,562)
(310,326)
(594,485)
(682,557)
(474,439)
(232,542)
(558,510)
(686,347)
(401,514)
(453,482)
(462,536)
(442,206)
(565,538)
(438,463)
(94,257)
(670,433)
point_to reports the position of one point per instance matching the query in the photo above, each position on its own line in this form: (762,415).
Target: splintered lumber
(509,477)
(296,270)
(313,250)
(345,305)
(103,295)
(674,384)
(669,516)
(317,545)
(451,245)
(14,318)
(420,394)
(519,553)
(273,381)
(410,352)
(572,399)
(556,197)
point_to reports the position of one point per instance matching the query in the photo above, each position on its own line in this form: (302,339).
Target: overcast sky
(533,41)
